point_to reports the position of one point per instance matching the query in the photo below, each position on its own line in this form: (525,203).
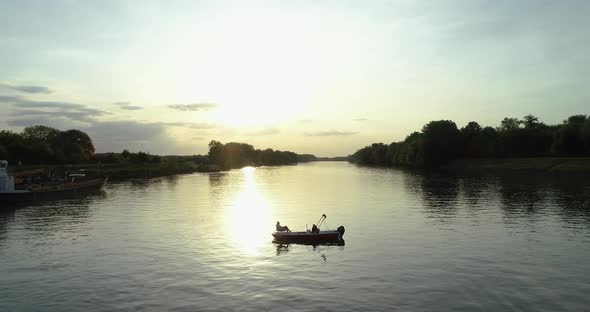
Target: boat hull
(307,237)
(15,197)
(68,187)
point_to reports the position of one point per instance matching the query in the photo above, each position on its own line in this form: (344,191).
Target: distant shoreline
(546,166)
(542,165)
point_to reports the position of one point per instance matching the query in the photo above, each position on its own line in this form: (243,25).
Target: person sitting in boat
(282,228)
(315,229)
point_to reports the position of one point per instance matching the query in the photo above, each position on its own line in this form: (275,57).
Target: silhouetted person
(282,228)
(315,229)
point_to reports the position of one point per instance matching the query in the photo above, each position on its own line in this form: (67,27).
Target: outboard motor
(340,230)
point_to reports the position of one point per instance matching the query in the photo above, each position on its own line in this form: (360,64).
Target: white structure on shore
(6,181)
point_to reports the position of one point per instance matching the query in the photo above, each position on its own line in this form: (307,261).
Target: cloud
(262,132)
(111,136)
(28,89)
(26,109)
(127,106)
(360,119)
(58,123)
(153,137)
(108,136)
(193,107)
(126,130)
(330,133)
(192,125)
(25,103)
(73,115)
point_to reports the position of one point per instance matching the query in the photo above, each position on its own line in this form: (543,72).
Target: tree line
(45,145)
(237,155)
(442,141)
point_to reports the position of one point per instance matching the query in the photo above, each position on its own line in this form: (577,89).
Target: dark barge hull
(53,191)
(16,197)
(95,184)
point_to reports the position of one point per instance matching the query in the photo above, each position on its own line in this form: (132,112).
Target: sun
(257,74)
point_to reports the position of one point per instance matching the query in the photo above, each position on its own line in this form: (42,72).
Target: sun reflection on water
(249,216)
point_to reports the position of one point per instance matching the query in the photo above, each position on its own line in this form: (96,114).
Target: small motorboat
(311,236)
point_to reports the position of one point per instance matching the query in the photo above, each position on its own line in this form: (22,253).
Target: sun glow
(250,216)
(262,68)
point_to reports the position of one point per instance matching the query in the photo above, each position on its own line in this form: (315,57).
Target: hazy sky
(322,77)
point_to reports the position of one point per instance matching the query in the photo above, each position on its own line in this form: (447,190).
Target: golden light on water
(250,223)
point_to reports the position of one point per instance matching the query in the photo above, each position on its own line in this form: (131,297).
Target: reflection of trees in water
(521,195)
(218,183)
(475,189)
(572,196)
(535,195)
(142,184)
(217,179)
(6,216)
(171,181)
(412,182)
(145,183)
(439,193)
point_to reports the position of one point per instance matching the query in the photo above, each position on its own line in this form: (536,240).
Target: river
(202,242)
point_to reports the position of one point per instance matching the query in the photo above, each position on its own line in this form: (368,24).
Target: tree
(586,135)
(8,137)
(41,152)
(471,128)
(508,124)
(142,157)
(441,142)
(156,159)
(576,119)
(3,153)
(569,140)
(410,152)
(215,150)
(75,145)
(379,154)
(40,133)
(236,155)
(531,121)
(490,141)
(125,154)
(471,140)
(437,143)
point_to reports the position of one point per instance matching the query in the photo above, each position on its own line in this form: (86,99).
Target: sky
(320,77)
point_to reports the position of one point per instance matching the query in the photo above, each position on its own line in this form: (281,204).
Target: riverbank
(148,171)
(126,170)
(541,165)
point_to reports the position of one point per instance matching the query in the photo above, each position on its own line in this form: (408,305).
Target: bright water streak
(203,242)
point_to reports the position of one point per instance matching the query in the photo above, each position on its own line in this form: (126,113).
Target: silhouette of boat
(313,236)
(32,186)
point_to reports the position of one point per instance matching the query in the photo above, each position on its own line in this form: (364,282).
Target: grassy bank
(127,170)
(146,171)
(542,165)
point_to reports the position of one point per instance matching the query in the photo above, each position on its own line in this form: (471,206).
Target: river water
(203,242)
